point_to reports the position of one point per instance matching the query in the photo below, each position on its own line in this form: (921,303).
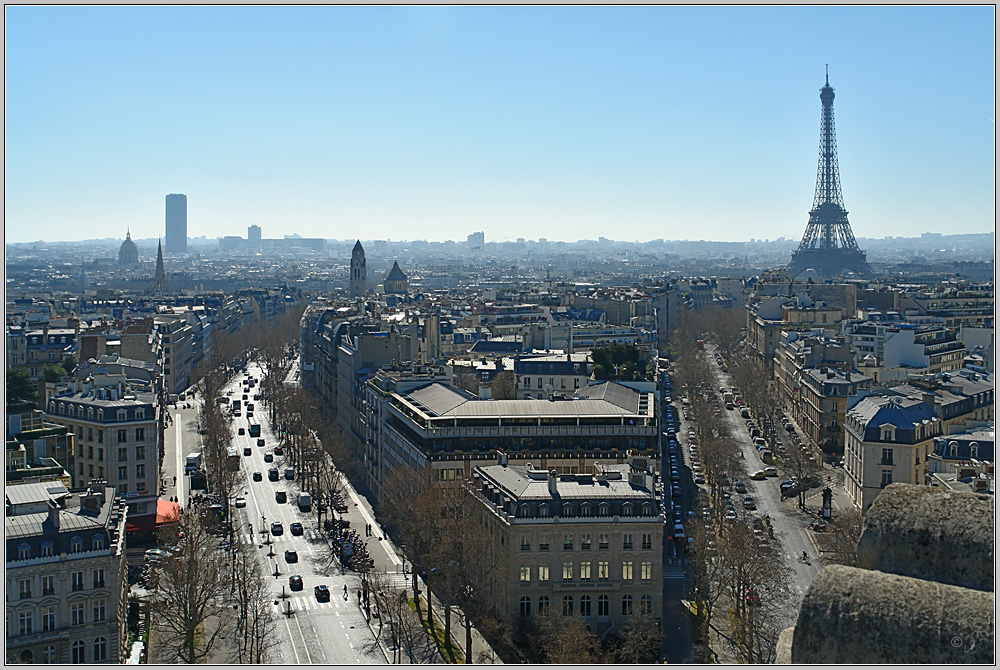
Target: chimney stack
(501,457)
(54,514)
(553,480)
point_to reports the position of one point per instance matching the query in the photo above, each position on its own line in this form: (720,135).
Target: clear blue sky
(431,123)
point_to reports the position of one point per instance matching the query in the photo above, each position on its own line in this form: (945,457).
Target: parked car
(280,497)
(749,503)
(291,556)
(257,477)
(278,451)
(740,487)
(296,528)
(269,457)
(242,431)
(771,472)
(272,474)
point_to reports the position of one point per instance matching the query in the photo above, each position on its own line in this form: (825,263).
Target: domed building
(128,254)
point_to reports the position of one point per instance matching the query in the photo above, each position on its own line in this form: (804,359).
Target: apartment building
(66,575)
(116,439)
(588,544)
(539,376)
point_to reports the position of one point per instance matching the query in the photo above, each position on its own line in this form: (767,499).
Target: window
(90,452)
(140,487)
(98,573)
(602,606)
(525,606)
(567,571)
(627,509)
(646,571)
(90,471)
(539,382)
(525,574)
(140,453)
(24,588)
(100,436)
(49,655)
(140,470)
(122,435)
(140,434)
(523,511)
(585,571)
(100,611)
(567,510)
(140,414)
(122,454)
(886,457)
(627,571)
(603,571)
(567,543)
(543,605)
(122,415)
(567,605)
(24,622)
(886,478)
(627,542)
(585,542)
(49,619)
(646,604)
(543,573)
(647,541)
(100,650)
(602,509)
(974,450)
(100,453)
(525,543)
(584,605)
(543,510)
(90,437)
(602,541)
(77,579)
(585,509)
(48,583)
(543,543)
(23,552)
(626,605)
(78,652)
(123,472)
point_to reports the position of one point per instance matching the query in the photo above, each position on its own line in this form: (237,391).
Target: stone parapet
(851,615)
(929,533)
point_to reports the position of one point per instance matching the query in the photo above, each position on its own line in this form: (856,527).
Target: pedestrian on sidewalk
(345,591)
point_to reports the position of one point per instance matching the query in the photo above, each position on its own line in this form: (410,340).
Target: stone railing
(923,594)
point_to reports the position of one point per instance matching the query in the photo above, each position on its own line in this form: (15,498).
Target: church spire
(160,278)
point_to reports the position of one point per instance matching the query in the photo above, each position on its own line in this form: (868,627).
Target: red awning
(166,512)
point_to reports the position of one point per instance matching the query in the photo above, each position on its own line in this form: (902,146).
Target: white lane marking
(181,498)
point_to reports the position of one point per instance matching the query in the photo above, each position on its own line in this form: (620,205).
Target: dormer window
(543,510)
(647,509)
(76,544)
(97,542)
(23,552)
(974,450)
(523,511)
(585,509)
(953,450)
(627,509)
(140,414)
(602,509)
(567,510)
(62,408)
(122,415)
(90,413)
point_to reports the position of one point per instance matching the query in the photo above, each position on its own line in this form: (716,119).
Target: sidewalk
(387,559)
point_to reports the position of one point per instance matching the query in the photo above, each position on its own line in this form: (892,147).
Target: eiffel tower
(828,248)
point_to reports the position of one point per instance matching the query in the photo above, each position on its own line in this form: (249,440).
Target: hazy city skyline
(434,122)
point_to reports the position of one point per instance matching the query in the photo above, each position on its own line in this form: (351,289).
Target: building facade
(66,575)
(587,544)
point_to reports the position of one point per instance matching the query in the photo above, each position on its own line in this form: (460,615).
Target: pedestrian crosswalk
(673,572)
(309,602)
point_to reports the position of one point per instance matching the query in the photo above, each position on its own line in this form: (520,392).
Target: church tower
(160,278)
(359,272)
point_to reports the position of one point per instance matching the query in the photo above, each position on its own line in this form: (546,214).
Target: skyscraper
(253,236)
(177,223)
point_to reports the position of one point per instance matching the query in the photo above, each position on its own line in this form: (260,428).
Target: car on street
(699,480)
(260,441)
(272,474)
(257,477)
(678,531)
(247,451)
(289,473)
(291,556)
(731,516)
(278,451)
(269,457)
(296,528)
(771,472)
(237,412)
(241,501)
(758,475)
(295,582)
(155,555)
(749,503)
(277,528)
(740,487)
(280,497)
(322,592)
(242,431)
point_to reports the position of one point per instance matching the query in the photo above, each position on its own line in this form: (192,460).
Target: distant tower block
(359,272)
(828,248)
(177,223)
